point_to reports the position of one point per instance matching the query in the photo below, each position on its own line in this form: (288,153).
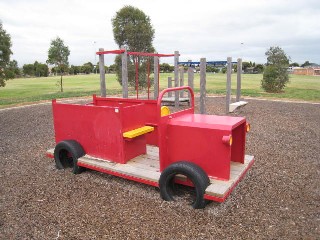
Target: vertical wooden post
(239,72)
(124,58)
(203,86)
(182,81)
(103,91)
(176,78)
(156,76)
(228,96)
(169,86)
(190,80)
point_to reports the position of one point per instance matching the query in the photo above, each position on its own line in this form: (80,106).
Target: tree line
(38,69)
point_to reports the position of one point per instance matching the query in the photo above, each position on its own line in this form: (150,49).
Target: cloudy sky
(211,29)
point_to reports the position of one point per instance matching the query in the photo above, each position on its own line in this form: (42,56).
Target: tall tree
(5,52)
(58,55)
(132,28)
(275,76)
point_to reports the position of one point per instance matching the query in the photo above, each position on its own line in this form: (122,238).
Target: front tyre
(193,172)
(66,154)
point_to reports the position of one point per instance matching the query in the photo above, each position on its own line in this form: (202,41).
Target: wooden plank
(143,166)
(97,163)
(172,99)
(239,71)
(170,86)
(237,167)
(228,95)
(176,78)
(136,172)
(220,188)
(235,105)
(248,159)
(124,67)
(181,81)
(151,148)
(235,175)
(190,80)
(149,174)
(146,160)
(156,77)
(103,90)
(147,167)
(203,82)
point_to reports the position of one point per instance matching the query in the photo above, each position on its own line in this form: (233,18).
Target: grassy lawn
(26,90)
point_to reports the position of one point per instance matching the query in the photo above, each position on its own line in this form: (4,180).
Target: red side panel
(99,129)
(201,146)
(95,128)
(198,139)
(150,112)
(238,145)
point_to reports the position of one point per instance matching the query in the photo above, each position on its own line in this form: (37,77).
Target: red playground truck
(141,140)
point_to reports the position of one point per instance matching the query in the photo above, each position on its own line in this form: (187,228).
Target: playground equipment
(230,107)
(124,55)
(140,140)
(179,97)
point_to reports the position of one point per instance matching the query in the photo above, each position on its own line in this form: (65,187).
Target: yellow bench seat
(138,132)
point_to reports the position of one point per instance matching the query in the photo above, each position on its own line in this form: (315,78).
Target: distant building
(311,71)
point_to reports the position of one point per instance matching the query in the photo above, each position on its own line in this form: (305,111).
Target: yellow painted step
(138,132)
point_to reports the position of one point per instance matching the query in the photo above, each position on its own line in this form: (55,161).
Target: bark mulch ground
(278,198)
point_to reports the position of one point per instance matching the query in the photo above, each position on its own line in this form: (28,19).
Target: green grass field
(27,90)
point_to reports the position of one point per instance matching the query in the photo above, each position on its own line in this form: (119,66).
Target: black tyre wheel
(66,154)
(193,172)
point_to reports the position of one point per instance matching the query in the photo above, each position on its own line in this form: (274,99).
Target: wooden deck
(146,167)
(220,188)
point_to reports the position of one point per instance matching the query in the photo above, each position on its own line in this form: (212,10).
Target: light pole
(242,49)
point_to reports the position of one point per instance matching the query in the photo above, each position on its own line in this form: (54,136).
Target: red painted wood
(135,53)
(99,129)
(111,52)
(150,54)
(155,184)
(183,135)
(222,199)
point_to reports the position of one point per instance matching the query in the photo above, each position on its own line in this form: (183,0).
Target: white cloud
(211,29)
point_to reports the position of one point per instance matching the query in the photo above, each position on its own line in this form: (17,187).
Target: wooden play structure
(230,107)
(141,140)
(178,78)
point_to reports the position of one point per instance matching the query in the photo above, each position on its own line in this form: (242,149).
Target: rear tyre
(193,172)
(66,154)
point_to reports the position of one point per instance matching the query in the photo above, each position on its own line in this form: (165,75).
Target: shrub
(274,79)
